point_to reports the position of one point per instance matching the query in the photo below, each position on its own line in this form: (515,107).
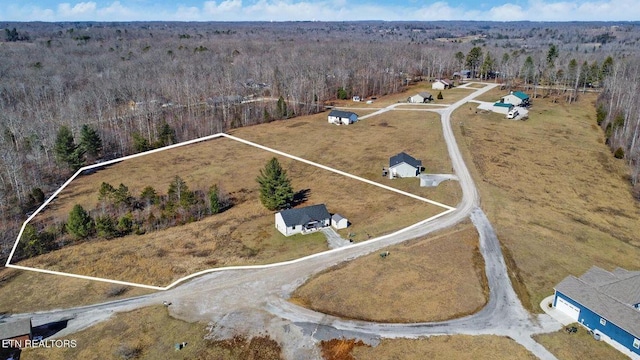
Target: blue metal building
(608,303)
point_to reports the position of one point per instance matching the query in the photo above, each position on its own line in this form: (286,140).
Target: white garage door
(567,308)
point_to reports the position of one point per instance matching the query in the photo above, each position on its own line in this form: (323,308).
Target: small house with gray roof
(340,117)
(404,165)
(607,303)
(421,97)
(302,220)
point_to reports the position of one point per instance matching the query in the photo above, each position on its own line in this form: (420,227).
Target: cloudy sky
(325,10)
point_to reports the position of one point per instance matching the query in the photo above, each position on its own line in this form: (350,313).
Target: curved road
(253,301)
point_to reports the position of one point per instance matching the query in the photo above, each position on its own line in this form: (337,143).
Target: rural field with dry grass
(245,234)
(430,279)
(150,333)
(483,347)
(28,291)
(558,199)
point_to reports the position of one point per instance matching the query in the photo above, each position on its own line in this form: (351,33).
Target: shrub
(619,153)
(440,97)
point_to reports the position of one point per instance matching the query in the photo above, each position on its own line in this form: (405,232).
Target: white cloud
(326,10)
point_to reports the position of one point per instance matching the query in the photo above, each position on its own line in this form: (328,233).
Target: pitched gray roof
(425,94)
(342,114)
(337,217)
(404,158)
(15,328)
(609,294)
(301,216)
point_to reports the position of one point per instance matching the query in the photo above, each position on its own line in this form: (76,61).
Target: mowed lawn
(558,199)
(244,234)
(430,279)
(580,345)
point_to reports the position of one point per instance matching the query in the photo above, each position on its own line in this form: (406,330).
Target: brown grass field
(456,347)
(150,333)
(578,346)
(431,279)
(28,291)
(245,233)
(559,200)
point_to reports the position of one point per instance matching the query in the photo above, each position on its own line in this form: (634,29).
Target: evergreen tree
(179,192)
(214,200)
(66,150)
(166,136)
(90,141)
(282,108)
(275,187)
(105,227)
(149,195)
(440,97)
(80,224)
(140,143)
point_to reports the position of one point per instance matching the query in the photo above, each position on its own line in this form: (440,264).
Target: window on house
(636,343)
(603,321)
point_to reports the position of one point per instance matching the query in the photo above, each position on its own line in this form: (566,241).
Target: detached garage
(339,222)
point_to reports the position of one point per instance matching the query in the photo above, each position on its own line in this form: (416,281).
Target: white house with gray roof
(340,117)
(421,97)
(607,303)
(302,220)
(404,165)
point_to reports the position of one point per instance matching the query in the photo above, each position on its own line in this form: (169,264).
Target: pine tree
(66,150)
(275,187)
(179,192)
(90,141)
(282,108)
(214,200)
(80,224)
(166,136)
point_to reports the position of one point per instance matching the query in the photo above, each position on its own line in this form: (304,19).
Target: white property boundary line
(241,267)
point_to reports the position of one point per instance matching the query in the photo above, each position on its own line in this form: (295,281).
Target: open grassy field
(558,199)
(431,279)
(456,347)
(578,346)
(243,234)
(27,291)
(150,333)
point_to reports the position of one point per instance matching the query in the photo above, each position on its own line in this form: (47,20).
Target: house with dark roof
(15,333)
(516,98)
(607,303)
(421,97)
(340,117)
(302,220)
(404,165)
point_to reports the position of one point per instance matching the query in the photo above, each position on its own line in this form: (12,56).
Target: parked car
(513,113)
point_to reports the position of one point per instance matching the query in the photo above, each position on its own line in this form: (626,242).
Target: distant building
(421,97)
(607,303)
(340,117)
(502,107)
(516,98)
(302,220)
(441,84)
(404,165)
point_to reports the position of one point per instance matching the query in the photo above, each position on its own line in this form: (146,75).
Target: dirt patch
(422,280)
(557,198)
(339,349)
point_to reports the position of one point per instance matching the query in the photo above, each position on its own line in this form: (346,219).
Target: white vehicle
(513,113)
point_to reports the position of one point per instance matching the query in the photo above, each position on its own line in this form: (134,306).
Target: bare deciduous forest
(79,93)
